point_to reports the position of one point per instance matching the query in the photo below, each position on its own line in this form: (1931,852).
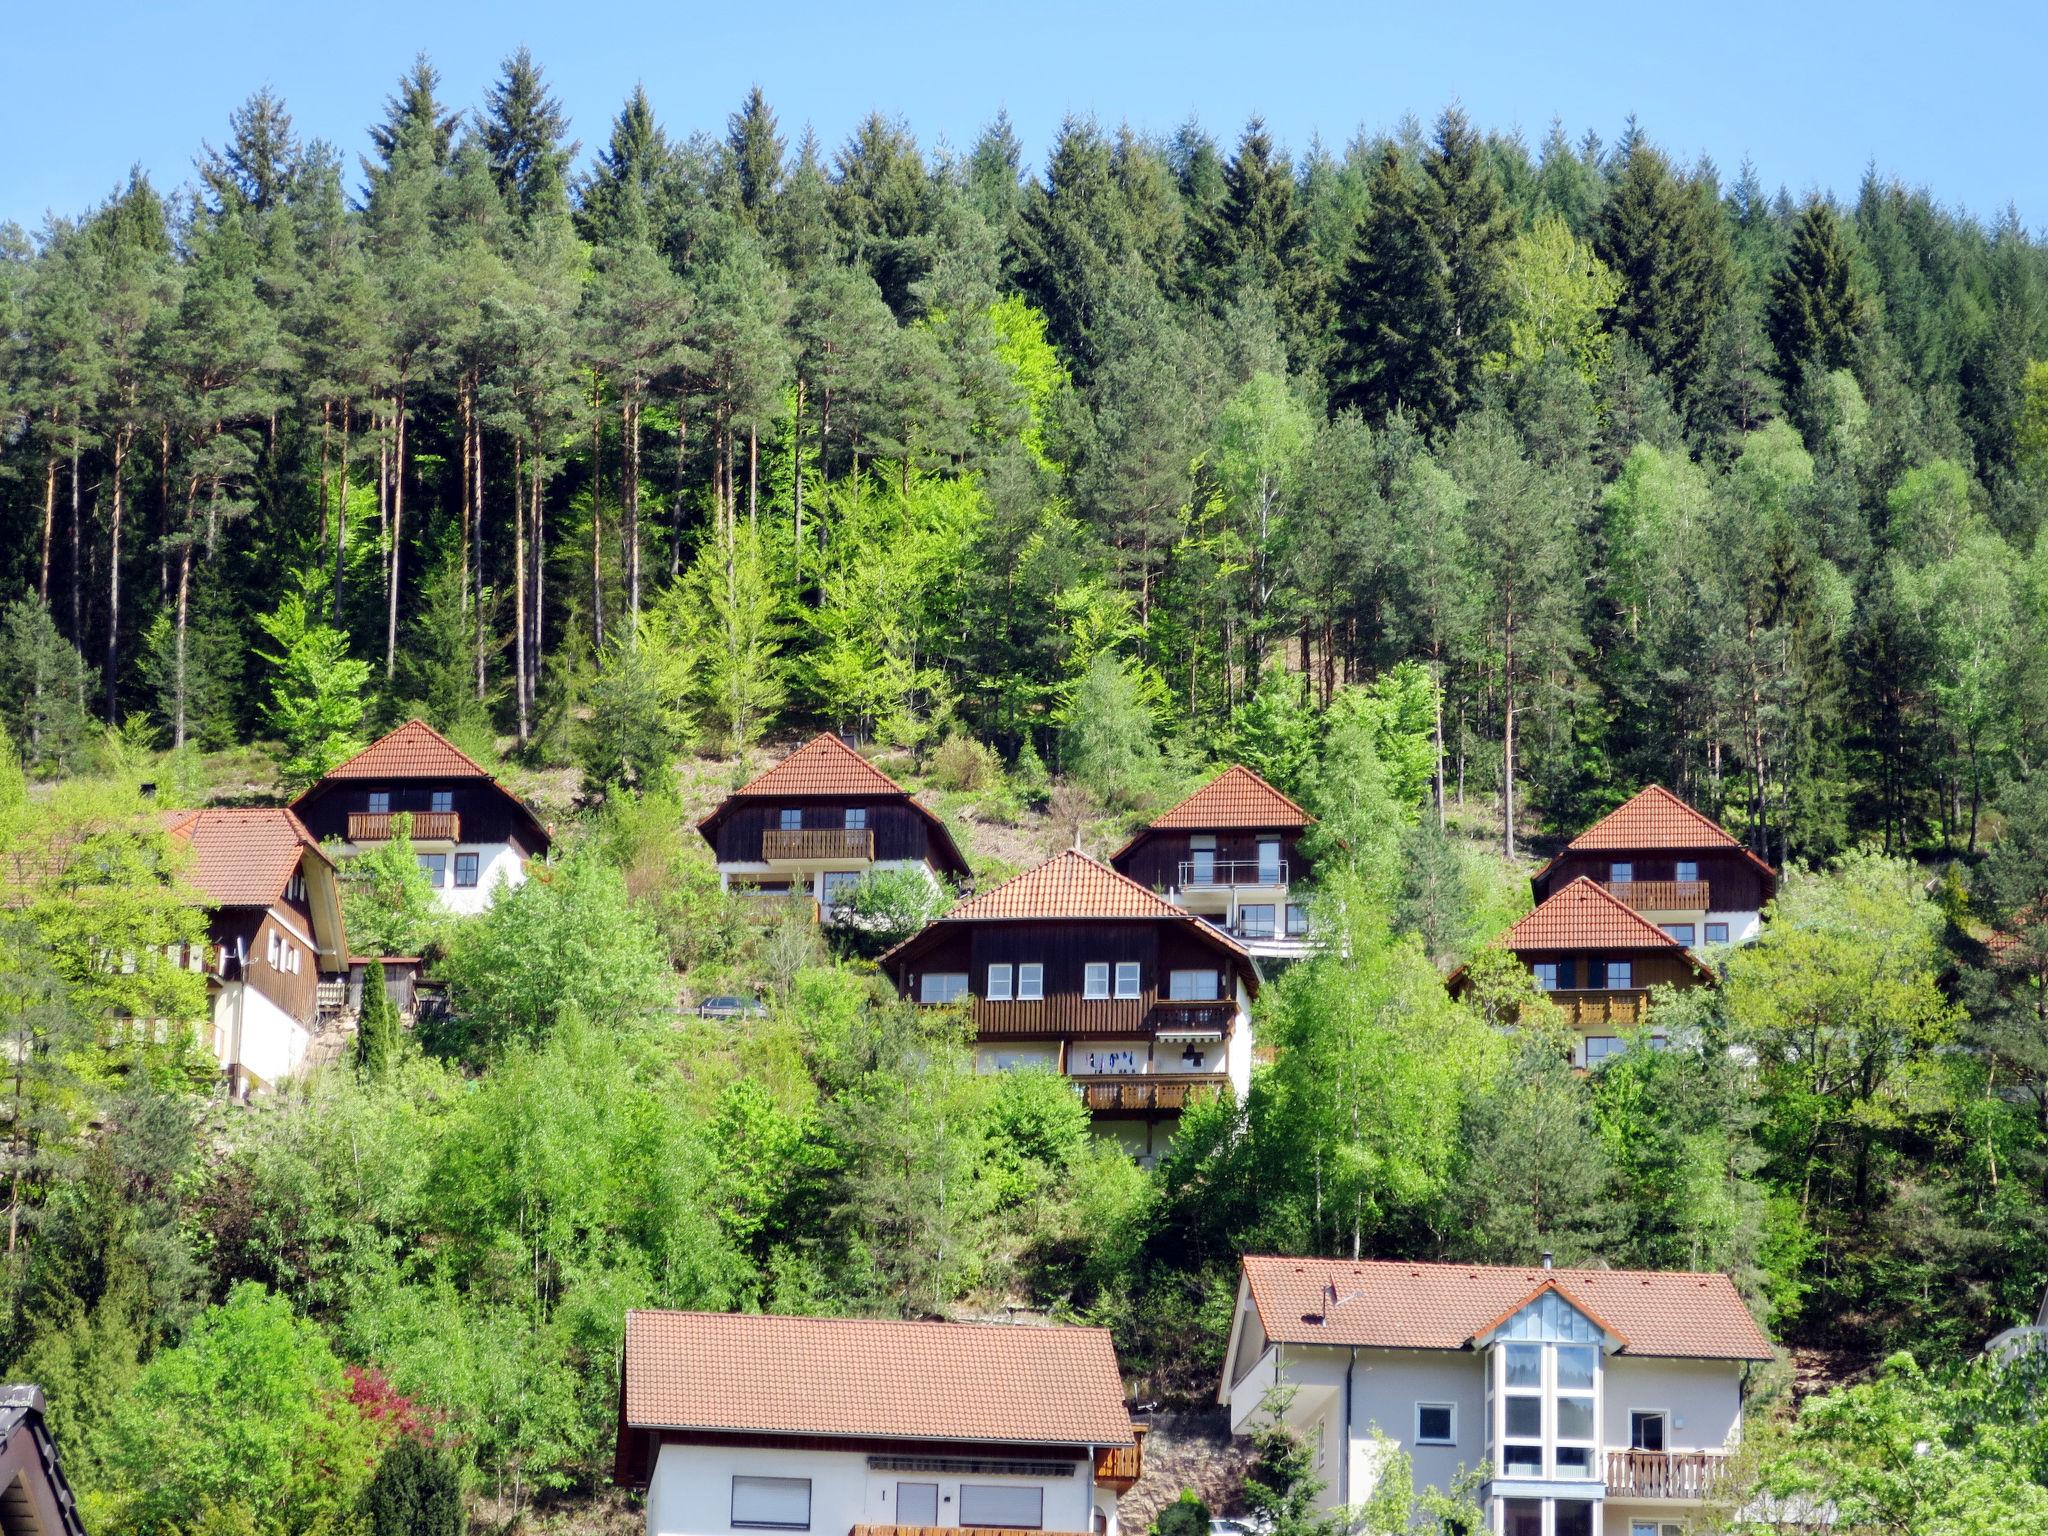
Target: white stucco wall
(1703,1397)
(1742,926)
(690,1492)
(272,1043)
(497,864)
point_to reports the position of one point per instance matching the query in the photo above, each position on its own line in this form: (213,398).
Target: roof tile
(242,857)
(987,1382)
(1584,915)
(824,765)
(1653,818)
(1237,797)
(1393,1305)
(413,751)
(1069,884)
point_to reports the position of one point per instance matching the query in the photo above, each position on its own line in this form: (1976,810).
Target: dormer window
(1546,1378)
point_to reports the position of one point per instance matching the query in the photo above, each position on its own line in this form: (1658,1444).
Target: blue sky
(1811,92)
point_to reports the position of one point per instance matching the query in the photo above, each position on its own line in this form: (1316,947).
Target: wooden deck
(1148,1092)
(780,847)
(1663,895)
(427,826)
(1664,1474)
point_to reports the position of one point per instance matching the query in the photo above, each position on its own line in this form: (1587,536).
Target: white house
(850,1427)
(1590,1402)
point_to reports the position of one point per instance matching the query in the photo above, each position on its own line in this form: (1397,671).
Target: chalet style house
(1597,959)
(471,834)
(1592,1402)
(35,1498)
(1074,968)
(849,1427)
(807,829)
(1680,870)
(276,948)
(1231,854)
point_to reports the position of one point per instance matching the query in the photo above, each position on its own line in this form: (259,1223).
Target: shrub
(962,763)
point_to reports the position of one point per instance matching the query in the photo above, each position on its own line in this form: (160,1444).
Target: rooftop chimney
(1546,1258)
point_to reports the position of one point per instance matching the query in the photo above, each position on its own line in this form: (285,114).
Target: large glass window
(771,1503)
(1297,920)
(1255,921)
(1646,1431)
(838,885)
(1193,986)
(1095,979)
(941,986)
(1002,1505)
(1547,1376)
(1572,1517)
(1545,972)
(1202,860)
(1269,861)
(1521,1517)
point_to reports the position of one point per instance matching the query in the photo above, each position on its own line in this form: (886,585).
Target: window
(1193,986)
(1521,1517)
(275,945)
(1621,975)
(1127,978)
(1297,920)
(941,986)
(1002,1505)
(1572,1517)
(1679,931)
(917,1504)
(1202,860)
(1600,1047)
(380,802)
(1717,933)
(1255,921)
(1545,972)
(1645,1431)
(1436,1424)
(1654,1528)
(442,800)
(1030,983)
(772,1503)
(1269,861)
(1688,869)
(789,821)
(436,867)
(1576,1366)
(857,818)
(465,869)
(998,984)
(836,886)
(1621,874)
(295,888)
(1095,979)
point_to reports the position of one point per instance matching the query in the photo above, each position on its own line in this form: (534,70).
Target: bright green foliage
(44,690)
(387,900)
(316,692)
(1281,1486)
(2030,433)
(1107,745)
(1559,294)
(892,904)
(376,1026)
(565,941)
(1022,345)
(1185,1516)
(285,1445)
(640,715)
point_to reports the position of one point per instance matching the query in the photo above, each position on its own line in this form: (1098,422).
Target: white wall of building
(252,1032)
(690,1492)
(1703,1398)
(1742,926)
(497,865)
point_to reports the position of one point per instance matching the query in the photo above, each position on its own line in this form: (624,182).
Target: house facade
(35,1498)
(277,952)
(1590,1402)
(850,1427)
(809,828)
(473,837)
(1076,969)
(1681,870)
(1231,854)
(1597,959)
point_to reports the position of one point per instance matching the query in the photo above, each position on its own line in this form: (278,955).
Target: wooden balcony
(1185,1015)
(1119,1467)
(815,844)
(1598,1010)
(1147,1093)
(1106,1018)
(1664,1474)
(427,826)
(1663,895)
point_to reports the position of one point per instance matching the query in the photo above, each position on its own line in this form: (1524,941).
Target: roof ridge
(1499,1269)
(1657,937)
(1235,768)
(868,1322)
(1163,907)
(406,726)
(1722,835)
(831,741)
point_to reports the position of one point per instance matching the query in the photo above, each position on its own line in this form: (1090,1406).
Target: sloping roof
(824,765)
(242,856)
(1069,884)
(981,1382)
(413,751)
(1236,797)
(34,1495)
(1653,818)
(1392,1305)
(1584,915)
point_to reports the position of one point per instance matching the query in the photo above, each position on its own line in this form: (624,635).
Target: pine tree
(1473,228)
(376,1027)
(632,162)
(45,689)
(995,173)
(1258,234)
(1396,329)
(752,172)
(260,167)
(1818,311)
(524,133)
(416,126)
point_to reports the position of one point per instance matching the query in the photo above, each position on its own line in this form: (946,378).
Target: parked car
(731,1008)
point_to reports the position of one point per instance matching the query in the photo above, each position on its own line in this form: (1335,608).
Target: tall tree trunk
(796,487)
(675,522)
(753,474)
(77,581)
(596,513)
(163,512)
(326,426)
(535,480)
(49,523)
(122,438)
(341,514)
(519,595)
(632,534)
(397,532)
(476,459)
(1507,750)
(178,672)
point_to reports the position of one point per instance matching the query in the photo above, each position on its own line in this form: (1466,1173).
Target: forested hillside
(1460,486)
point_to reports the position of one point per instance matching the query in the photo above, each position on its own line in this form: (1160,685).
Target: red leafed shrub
(390,1411)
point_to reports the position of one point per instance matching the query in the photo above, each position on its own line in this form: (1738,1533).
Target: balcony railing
(427,826)
(778,845)
(1586,1009)
(1663,895)
(1118,1467)
(1148,1092)
(1183,1015)
(1664,1474)
(1201,874)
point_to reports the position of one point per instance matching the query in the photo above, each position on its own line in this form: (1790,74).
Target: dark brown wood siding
(900,831)
(1652,967)
(251,928)
(1737,885)
(489,815)
(1156,859)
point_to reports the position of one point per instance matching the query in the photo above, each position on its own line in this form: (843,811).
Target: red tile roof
(1237,797)
(1069,884)
(414,751)
(1654,818)
(242,857)
(1392,1305)
(1583,915)
(824,765)
(980,1382)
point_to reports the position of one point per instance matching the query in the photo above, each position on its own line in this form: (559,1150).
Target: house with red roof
(1231,854)
(857,1427)
(1590,1402)
(472,835)
(1681,870)
(810,827)
(1074,968)
(277,953)
(1598,959)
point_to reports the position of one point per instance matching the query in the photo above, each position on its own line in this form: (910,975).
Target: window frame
(1174,994)
(1450,1437)
(1136,976)
(1628,971)
(1663,1417)
(856,819)
(789,819)
(1710,927)
(1271,928)
(1002,975)
(1621,872)
(1537,968)
(1031,981)
(1690,931)
(1091,990)
(733,1505)
(435,866)
(1036,1490)
(441,802)
(475,871)
(377,802)
(925,978)
(1679,868)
